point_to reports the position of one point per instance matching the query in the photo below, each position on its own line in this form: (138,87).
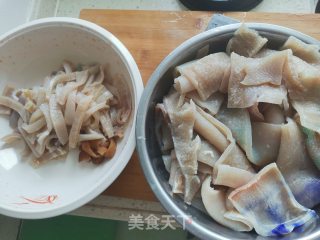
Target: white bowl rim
(129,147)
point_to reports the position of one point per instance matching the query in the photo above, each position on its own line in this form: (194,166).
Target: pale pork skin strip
(163,132)
(46,112)
(72,109)
(232,176)
(35,116)
(218,209)
(35,126)
(11,138)
(246,42)
(205,74)
(77,122)
(5,111)
(90,137)
(95,108)
(14,105)
(60,78)
(106,124)
(27,139)
(57,120)
(210,132)
(248,109)
(69,87)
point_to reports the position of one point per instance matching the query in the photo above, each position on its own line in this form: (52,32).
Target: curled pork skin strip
(231,176)
(54,117)
(70,110)
(212,130)
(60,78)
(82,107)
(91,136)
(46,113)
(35,126)
(221,138)
(14,105)
(57,120)
(35,116)
(205,74)
(215,203)
(71,86)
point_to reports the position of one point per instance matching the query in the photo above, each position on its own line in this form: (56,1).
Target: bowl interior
(26,57)
(201,225)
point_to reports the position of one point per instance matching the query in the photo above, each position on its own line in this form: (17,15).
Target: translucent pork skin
(72,107)
(254,163)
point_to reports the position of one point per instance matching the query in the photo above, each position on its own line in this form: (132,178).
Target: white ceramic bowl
(28,54)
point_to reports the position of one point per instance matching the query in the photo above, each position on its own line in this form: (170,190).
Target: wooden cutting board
(152,35)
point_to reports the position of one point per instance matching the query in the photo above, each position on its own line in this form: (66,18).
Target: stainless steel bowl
(149,153)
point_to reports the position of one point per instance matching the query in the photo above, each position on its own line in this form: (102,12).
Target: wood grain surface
(150,36)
